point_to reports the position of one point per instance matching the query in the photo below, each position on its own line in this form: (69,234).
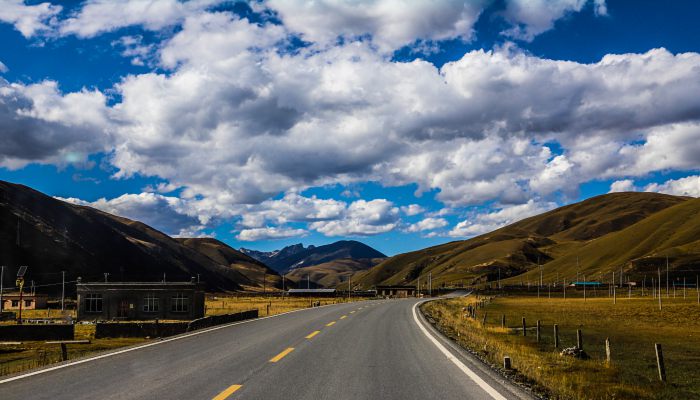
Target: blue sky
(272,122)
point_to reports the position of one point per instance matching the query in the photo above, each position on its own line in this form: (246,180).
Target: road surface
(379,349)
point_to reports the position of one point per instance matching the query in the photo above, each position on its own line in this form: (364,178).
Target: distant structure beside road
(140,300)
(311,292)
(396,291)
(30,301)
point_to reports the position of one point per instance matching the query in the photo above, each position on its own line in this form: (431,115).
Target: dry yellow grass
(230,304)
(35,354)
(632,325)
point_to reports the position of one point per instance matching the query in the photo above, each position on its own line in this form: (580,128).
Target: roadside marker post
(579,339)
(660,362)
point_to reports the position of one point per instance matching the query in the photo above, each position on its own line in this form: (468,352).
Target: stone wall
(36,332)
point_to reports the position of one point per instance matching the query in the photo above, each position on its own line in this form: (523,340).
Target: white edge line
(181,336)
(471,374)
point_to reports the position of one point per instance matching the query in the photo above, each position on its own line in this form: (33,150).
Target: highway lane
(365,350)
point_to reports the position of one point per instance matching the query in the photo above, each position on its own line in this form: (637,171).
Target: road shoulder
(488,375)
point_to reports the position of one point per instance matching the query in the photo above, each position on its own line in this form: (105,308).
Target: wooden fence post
(556,336)
(64,352)
(660,362)
(483,320)
(524,328)
(607,351)
(538,330)
(579,339)
(503,321)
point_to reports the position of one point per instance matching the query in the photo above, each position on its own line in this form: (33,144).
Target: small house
(140,300)
(11,301)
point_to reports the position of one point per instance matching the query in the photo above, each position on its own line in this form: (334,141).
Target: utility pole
(577,269)
(667,293)
(308,281)
(2,275)
(283,284)
(349,286)
(20,284)
(63,288)
(540,284)
(659,292)
(107,274)
(430,284)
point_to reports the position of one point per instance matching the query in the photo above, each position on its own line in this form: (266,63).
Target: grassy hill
(257,273)
(605,232)
(331,274)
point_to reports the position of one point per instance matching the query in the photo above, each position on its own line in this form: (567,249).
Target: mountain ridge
(50,236)
(298,256)
(513,250)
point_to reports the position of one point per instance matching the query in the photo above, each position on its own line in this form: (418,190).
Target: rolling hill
(51,236)
(612,231)
(259,274)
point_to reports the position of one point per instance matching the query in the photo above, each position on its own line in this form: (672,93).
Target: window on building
(27,303)
(180,303)
(15,303)
(93,302)
(151,303)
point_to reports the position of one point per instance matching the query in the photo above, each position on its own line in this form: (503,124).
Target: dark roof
(311,291)
(395,287)
(83,286)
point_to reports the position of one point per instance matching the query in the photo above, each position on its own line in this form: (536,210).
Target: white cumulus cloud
(29,19)
(427,224)
(688,186)
(492,220)
(269,233)
(624,185)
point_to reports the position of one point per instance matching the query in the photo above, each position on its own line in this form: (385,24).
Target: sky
(399,123)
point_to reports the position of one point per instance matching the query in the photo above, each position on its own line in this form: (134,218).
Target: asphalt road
(367,350)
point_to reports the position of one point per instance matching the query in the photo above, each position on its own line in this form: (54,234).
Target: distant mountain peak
(298,256)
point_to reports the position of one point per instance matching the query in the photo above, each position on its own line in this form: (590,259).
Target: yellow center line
(312,334)
(231,389)
(343,317)
(330,323)
(281,355)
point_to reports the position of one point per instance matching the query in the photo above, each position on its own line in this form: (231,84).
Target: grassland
(632,326)
(34,354)
(266,305)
